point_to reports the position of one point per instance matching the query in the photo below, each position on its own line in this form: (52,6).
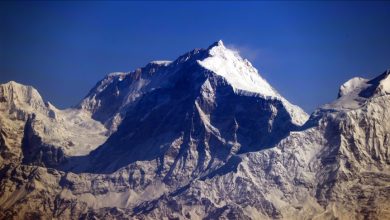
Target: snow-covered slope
(238,72)
(30,125)
(189,140)
(244,78)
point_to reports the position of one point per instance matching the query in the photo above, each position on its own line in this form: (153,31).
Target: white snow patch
(385,84)
(116,74)
(161,62)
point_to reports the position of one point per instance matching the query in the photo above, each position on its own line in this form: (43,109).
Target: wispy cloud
(252,54)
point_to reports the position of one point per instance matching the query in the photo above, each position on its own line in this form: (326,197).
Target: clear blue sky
(304,49)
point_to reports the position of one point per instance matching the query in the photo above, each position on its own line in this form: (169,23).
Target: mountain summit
(200,137)
(238,72)
(108,100)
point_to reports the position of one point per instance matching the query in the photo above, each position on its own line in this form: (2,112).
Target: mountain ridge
(178,140)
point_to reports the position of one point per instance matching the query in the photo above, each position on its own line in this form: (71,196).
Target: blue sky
(304,49)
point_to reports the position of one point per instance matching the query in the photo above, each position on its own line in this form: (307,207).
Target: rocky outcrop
(35,151)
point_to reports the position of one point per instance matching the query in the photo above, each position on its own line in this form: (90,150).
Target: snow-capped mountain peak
(244,78)
(218,43)
(237,71)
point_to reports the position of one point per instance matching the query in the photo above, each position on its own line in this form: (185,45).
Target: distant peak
(220,43)
(20,94)
(13,83)
(217,44)
(355,92)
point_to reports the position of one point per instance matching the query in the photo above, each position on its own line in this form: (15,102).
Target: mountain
(110,98)
(193,113)
(200,137)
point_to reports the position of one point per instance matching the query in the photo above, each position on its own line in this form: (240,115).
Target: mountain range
(200,137)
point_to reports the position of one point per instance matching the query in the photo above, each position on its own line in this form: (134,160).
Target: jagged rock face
(17,102)
(36,151)
(187,141)
(17,99)
(197,132)
(110,96)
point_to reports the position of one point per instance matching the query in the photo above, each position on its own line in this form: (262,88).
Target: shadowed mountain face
(202,137)
(198,118)
(194,119)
